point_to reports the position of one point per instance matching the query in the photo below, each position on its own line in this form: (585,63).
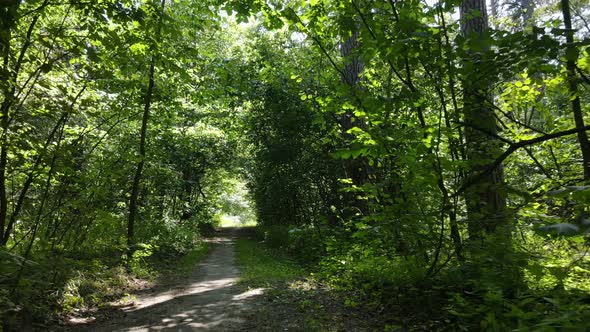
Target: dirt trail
(209,300)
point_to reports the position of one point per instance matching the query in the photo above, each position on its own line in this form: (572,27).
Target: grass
(291,297)
(95,284)
(188,261)
(262,266)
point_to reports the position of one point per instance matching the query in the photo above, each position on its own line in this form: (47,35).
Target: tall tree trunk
(571,56)
(4,122)
(133,199)
(8,79)
(357,168)
(354,65)
(135,188)
(7,22)
(490,229)
(485,200)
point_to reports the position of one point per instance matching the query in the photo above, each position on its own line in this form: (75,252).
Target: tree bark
(489,246)
(8,81)
(485,200)
(7,15)
(572,78)
(135,188)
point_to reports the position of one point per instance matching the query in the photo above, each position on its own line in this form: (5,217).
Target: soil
(210,299)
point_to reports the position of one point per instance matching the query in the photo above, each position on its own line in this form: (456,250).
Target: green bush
(373,276)
(493,311)
(260,265)
(305,244)
(276,236)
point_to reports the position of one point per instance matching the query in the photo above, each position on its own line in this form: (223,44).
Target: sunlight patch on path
(209,300)
(195,288)
(248,294)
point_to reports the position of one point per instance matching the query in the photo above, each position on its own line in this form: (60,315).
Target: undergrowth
(398,292)
(293,293)
(261,266)
(45,290)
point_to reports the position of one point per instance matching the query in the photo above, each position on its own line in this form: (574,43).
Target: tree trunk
(354,65)
(356,168)
(7,15)
(485,200)
(571,56)
(133,199)
(490,229)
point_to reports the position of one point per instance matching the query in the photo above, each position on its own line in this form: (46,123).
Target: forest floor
(209,298)
(212,298)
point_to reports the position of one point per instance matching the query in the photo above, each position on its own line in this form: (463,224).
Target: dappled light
(288,165)
(209,299)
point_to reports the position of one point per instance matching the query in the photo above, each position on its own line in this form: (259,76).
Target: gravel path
(209,300)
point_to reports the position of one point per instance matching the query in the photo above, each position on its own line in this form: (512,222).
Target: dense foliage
(425,154)
(452,156)
(76,80)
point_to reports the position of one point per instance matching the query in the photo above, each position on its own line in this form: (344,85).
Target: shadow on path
(208,300)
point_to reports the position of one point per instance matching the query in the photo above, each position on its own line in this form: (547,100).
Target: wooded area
(431,156)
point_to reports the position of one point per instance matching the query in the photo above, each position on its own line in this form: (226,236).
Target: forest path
(209,300)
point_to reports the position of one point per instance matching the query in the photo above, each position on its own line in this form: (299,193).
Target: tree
(355,168)
(572,78)
(489,224)
(485,198)
(133,199)
(8,12)
(10,75)
(395,145)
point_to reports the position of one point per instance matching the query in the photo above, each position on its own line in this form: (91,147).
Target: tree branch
(487,132)
(511,149)
(317,41)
